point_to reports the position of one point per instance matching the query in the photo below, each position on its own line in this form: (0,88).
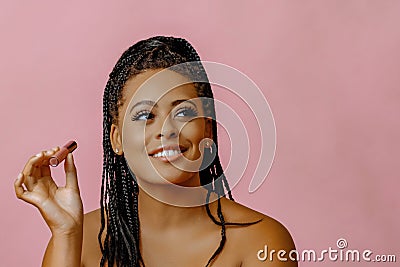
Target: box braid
(119,190)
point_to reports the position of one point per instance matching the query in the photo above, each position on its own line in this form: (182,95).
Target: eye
(142,115)
(186,112)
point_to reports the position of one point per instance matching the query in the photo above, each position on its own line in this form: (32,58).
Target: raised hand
(61,207)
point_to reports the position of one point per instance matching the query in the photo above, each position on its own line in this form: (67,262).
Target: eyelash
(136,116)
(191,109)
(140,113)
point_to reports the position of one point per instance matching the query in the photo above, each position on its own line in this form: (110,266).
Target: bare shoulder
(90,245)
(259,239)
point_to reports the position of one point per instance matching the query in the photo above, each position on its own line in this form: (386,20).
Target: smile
(168,153)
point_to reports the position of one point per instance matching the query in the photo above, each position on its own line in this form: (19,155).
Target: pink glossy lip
(168,158)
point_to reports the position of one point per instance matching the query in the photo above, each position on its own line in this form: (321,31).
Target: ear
(116,139)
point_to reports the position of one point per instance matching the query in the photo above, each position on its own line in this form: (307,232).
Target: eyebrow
(152,103)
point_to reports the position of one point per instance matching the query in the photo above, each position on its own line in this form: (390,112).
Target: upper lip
(167,147)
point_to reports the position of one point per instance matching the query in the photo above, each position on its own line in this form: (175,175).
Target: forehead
(157,85)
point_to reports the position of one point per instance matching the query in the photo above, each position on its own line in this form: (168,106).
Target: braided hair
(120,225)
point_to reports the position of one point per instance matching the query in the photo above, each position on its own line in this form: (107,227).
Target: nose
(168,130)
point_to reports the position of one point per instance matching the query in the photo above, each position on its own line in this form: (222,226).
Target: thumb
(70,173)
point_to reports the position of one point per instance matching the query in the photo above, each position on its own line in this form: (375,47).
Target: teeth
(166,153)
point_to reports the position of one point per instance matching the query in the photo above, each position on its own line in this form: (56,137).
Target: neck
(159,215)
(163,206)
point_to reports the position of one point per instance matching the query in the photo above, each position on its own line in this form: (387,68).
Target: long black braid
(120,227)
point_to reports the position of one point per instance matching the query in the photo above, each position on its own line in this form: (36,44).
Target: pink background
(329,69)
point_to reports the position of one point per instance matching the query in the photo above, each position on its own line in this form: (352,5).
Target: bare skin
(61,207)
(167,242)
(169,235)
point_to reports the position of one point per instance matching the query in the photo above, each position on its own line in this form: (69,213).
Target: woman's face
(162,128)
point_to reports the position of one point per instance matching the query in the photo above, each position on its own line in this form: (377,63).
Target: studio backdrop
(329,71)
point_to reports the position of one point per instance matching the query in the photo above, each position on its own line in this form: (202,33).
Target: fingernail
(39,154)
(19,176)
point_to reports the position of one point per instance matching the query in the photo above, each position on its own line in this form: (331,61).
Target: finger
(45,168)
(33,161)
(70,173)
(36,173)
(33,168)
(19,189)
(31,180)
(21,193)
(37,170)
(30,172)
(49,153)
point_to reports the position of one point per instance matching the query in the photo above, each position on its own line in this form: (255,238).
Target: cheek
(134,146)
(135,152)
(134,138)
(194,132)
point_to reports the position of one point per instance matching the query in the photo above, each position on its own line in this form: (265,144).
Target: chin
(176,178)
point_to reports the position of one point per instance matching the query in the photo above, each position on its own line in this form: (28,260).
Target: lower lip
(168,158)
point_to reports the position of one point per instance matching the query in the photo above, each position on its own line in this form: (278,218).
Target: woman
(153,139)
